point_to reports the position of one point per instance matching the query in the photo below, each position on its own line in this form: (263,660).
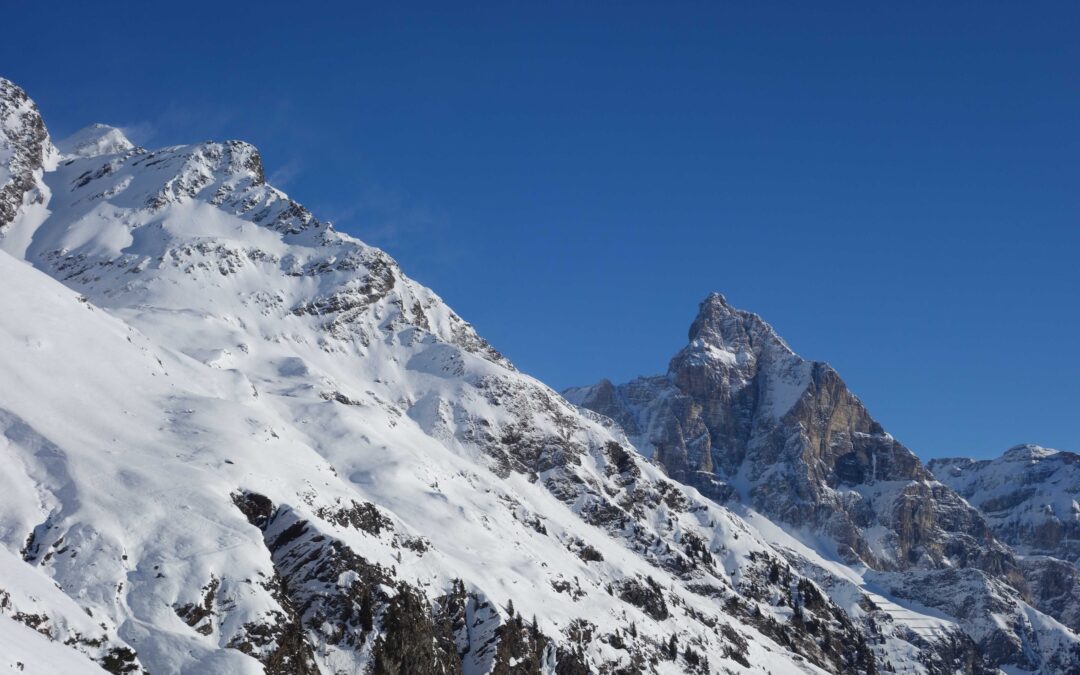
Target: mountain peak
(95,140)
(722,325)
(715,297)
(1027,452)
(713,311)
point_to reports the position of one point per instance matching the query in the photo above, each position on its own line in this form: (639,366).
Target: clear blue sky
(894,186)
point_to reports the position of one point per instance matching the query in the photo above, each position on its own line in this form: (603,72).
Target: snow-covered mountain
(236,440)
(1029,497)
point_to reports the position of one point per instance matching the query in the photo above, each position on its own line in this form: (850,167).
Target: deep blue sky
(894,186)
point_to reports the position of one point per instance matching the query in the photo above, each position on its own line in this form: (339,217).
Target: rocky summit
(754,426)
(236,440)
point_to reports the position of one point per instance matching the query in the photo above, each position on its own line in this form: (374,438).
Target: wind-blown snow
(93,141)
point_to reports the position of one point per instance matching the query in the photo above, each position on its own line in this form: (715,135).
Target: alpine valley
(235,440)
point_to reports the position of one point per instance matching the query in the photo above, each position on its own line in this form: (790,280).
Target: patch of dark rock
(39,622)
(256,508)
(362,516)
(571,589)
(585,551)
(197,615)
(120,660)
(520,649)
(620,460)
(338,397)
(411,641)
(291,534)
(572,662)
(417,545)
(646,595)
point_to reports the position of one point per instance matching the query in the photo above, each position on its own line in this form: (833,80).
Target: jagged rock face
(744,419)
(1055,587)
(738,411)
(25,150)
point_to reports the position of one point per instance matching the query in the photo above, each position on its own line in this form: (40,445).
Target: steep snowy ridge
(240,441)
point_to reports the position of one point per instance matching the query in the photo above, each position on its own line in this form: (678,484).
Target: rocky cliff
(1029,497)
(747,421)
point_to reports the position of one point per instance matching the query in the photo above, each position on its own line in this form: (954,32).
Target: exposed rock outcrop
(25,151)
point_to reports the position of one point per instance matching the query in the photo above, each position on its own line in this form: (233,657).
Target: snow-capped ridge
(296,396)
(95,140)
(1028,452)
(1030,497)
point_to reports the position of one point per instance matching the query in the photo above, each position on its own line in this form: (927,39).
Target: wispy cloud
(139,133)
(281,176)
(388,217)
(181,123)
(178,124)
(393,220)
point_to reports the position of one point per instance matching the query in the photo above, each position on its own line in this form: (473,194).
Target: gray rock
(740,414)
